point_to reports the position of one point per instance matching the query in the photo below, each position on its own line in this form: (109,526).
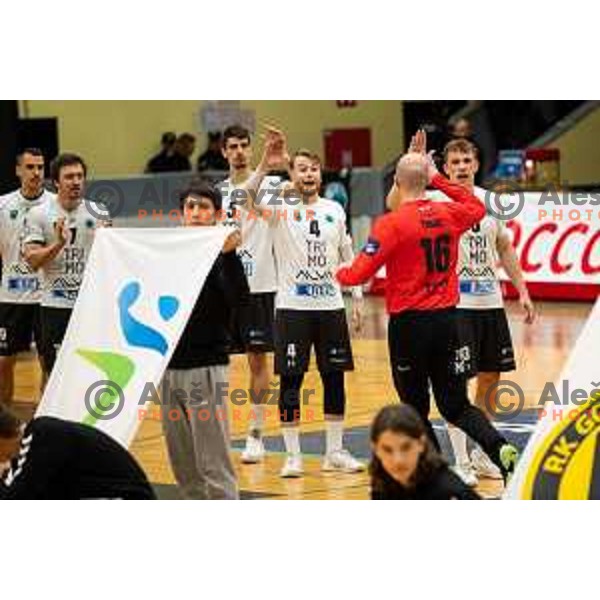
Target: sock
(291,438)
(334,433)
(458,439)
(256,426)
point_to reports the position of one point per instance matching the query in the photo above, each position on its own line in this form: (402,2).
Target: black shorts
(425,355)
(19,326)
(297,330)
(54,327)
(487,334)
(425,345)
(252,325)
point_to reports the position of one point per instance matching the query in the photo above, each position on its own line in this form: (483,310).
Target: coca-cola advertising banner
(556,235)
(557,238)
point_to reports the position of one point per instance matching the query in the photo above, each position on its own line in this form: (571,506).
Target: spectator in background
(462,128)
(163,161)
(184,148)
(212,159)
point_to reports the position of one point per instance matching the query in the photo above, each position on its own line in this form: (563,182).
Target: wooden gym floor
(541,350)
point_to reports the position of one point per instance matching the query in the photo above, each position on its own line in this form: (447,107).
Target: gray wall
(158,194)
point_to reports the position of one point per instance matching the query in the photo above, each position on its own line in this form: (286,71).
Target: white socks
(458,439)
(334,433)
(257,424)
(291,438)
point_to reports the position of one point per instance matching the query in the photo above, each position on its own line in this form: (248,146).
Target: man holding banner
(195,419)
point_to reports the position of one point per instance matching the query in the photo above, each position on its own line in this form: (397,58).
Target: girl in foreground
(405,465)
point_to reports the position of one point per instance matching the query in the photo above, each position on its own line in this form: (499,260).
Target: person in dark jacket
(405,464)
(53,459)
(195,385)
(212,158)
(164,161)
(185,144)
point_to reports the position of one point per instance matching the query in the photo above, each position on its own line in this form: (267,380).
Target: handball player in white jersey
(253,323)
(483,325)
(310,242)
(58,240)
(20,288)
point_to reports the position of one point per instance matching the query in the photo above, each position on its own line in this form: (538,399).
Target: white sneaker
(466,472)
(342,460)
(483,466)
(254,451)
(292,467)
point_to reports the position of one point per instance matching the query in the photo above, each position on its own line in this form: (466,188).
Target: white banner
(139,288)
(562,458)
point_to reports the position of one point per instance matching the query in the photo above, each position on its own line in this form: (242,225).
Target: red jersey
(418,244)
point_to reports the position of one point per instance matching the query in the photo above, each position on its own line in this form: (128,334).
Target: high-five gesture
(275,154)
(432,169)
(418,145)
(418,142)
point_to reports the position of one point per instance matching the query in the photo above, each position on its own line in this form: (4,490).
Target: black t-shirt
(212,161)
(62,460)
(168,163)
(161,163)
(441,484)
(206,337)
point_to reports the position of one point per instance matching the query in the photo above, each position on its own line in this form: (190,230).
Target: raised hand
(275,154)
(418,142)
(432,169)
(232,241)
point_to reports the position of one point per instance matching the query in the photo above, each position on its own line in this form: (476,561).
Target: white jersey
(20,283)
(478,262)
(311,241)
(62,276)
(256,251)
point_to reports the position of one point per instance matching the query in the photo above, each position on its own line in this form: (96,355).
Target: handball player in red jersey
(418,244)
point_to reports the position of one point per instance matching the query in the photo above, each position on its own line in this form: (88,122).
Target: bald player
(418,243)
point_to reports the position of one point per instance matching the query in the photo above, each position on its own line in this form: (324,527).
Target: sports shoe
(484,468)
(254,451)
(508,457)
(342,460)
(292,467)
(466,472)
